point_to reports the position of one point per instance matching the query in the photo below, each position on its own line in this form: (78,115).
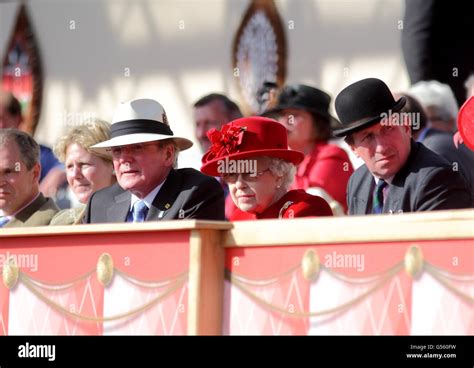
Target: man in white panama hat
(149,188)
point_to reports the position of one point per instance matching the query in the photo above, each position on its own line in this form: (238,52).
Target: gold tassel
(414,261)
(310,265)
(10,273)
(105,269)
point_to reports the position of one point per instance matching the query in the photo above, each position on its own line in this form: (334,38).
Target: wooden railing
(205,277)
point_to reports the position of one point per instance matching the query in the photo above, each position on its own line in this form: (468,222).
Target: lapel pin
(167,205)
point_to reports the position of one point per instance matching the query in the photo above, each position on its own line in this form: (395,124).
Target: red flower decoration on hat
(224,142)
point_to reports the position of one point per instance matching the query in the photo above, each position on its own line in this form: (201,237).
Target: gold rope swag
(310,266)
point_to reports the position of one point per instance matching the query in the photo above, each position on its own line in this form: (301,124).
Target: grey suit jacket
(186,194)
(38,213)
(426,182)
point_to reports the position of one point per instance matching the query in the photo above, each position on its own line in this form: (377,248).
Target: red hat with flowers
(248,137)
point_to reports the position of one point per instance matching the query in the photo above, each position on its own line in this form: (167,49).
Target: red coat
(295,203)
(327,167)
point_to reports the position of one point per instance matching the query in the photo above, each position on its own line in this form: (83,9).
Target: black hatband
(139,126)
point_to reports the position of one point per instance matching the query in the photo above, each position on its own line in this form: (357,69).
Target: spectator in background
(326,168)
(52,175)
(86,171)
(252,156)
(439,104)
(437,42)
(413,107)
(21,203)
(399,175)
(436,128)
(213,111)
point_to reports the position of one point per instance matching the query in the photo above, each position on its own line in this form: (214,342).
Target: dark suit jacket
(461,158)
(426,182)
(186,193)
(38,213)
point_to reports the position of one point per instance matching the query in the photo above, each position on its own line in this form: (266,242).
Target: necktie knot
(378,197)
(381,184)
(139,211)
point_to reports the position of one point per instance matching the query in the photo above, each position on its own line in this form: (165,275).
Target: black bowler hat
(362,104)
(300,96)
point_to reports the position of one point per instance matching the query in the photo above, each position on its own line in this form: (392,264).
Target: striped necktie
(377,200)
(139,212)
(3,220)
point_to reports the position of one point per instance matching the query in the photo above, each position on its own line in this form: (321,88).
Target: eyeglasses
(251,176)
(133,149)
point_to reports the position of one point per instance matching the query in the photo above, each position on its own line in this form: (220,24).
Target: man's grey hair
(438,96)
(285,169)
(170,142)
(29,149)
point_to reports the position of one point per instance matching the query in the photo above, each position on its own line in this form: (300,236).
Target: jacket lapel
(360,191)
(25,214)
(365,196)
(394,195)
(163,204)
(394,201)
(118,211)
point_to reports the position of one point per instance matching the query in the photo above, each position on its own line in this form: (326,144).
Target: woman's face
(299,125)
(254,190)
(86,172)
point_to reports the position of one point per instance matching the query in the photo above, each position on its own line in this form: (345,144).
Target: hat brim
(279,108)
(295,157)
(124,140)
(365,123)
(333,122)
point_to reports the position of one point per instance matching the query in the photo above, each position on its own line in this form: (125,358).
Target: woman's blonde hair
(91,132)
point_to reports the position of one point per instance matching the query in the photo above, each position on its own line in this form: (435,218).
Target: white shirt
(149,197)
(388,180)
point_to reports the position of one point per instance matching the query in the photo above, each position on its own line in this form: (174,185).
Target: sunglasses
(133,149)
(248,177)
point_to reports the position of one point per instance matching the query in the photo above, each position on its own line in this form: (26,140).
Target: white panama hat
(140,121)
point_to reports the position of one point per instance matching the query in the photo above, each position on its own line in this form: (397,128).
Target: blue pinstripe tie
(140,210)
(3,220)
(377,200)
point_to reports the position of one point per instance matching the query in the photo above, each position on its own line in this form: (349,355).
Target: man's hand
(457,139)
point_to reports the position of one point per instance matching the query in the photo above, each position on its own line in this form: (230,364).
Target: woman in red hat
(325,171)
(252,156)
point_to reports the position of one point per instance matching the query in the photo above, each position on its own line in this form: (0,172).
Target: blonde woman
(86,171)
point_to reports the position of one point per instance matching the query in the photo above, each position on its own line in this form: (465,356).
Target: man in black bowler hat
(149,188)
(399,175)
